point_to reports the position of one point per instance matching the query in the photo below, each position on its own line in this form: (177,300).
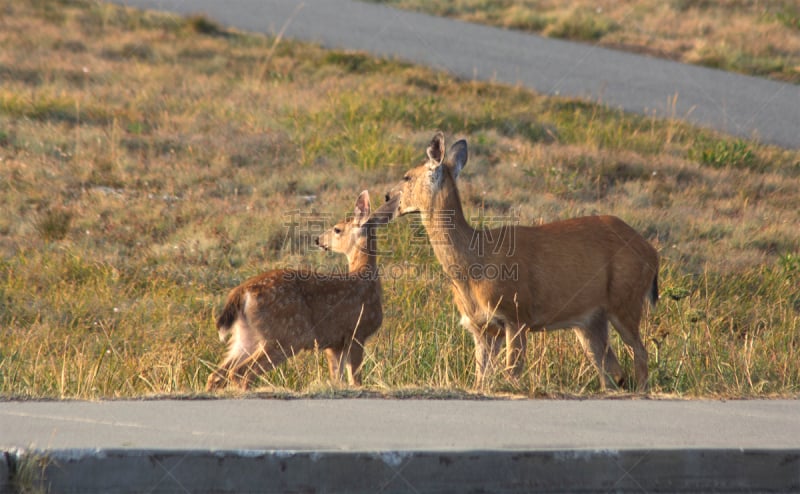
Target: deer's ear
(458,157)
(362,209)
(436,150)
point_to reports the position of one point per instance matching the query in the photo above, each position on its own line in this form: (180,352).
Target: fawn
(270,317)
(578,273)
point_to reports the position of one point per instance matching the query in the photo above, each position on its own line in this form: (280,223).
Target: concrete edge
(132,470)
(6,467)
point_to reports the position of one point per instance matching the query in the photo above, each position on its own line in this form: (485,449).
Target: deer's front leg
(516,344)
(335,367)
(481,348)
(487,347)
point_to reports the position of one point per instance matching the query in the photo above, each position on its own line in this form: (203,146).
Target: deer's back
(301,308)
(586,244)
(554,271)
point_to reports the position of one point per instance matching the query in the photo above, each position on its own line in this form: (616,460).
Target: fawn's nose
(387,197)
(316,241)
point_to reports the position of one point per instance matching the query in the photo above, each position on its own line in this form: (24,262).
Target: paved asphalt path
(375,445)
(735,104)
(390,425)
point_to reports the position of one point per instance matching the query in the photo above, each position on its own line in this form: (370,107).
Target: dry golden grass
(748,36)
(149,163)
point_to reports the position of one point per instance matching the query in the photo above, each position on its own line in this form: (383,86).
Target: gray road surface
(378,425)
(375,445)
(735,104)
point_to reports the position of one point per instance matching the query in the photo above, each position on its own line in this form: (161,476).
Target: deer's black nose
(387,197)
(316,241)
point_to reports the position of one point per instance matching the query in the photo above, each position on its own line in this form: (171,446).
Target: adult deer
(271,317)
(578,273)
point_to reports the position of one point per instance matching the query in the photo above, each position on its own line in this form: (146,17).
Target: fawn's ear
(458,157)
(362,208)
(436,150)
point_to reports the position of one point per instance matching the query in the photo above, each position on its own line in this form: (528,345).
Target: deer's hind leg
(335,365)
(593,335)
(219,378)
(627,325)
(354,356)
(260,362)
(224,372)
(344,361)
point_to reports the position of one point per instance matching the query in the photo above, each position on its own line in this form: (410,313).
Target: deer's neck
(363,259)
(449,232)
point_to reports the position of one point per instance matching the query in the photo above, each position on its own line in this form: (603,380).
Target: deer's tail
(233,307)
(654,290)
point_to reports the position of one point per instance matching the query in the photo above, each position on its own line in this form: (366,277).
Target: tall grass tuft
(53,223)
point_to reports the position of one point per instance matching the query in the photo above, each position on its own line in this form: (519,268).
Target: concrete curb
(5,473)
(692,470)
(327,445)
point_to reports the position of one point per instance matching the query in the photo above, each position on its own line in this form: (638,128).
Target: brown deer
(578,273)
(270,317)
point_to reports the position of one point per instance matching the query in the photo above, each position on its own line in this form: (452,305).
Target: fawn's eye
(407,178)
(337,230)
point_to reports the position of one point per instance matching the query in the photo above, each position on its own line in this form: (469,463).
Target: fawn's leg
(260,362)
(353,359)
(335,358)
(219,378)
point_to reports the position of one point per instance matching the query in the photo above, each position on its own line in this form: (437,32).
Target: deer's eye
(337,230)
(407,178)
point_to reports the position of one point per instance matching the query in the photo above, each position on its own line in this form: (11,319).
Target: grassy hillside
(749,36)
(149,163)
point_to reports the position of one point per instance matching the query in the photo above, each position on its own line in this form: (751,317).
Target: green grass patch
(582,25)
(721,153)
